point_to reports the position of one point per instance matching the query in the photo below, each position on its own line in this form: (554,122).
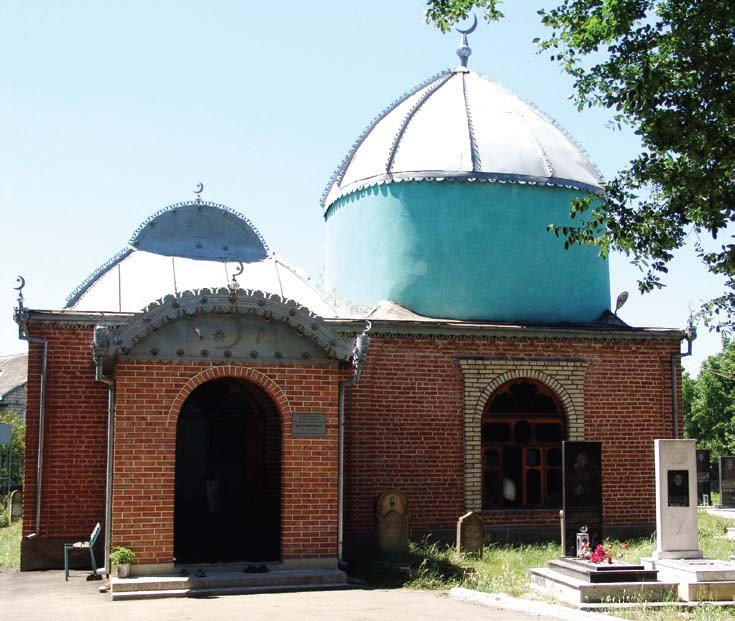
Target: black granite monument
(703,480)
(727,482)
(582,493)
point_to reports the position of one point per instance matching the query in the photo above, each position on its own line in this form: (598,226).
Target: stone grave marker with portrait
(582,493)
(676,499)
(703,482)
(391,515)
(727,482)
(470,534)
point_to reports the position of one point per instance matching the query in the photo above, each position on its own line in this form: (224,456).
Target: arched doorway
(227,504)
(523,426)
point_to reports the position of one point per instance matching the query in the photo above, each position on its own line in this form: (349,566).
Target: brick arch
(483,378)
(532,374)
(273,390)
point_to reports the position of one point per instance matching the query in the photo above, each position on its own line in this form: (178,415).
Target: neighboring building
(227,372)
(13,380)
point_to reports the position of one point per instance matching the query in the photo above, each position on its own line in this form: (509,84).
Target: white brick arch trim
(483,377)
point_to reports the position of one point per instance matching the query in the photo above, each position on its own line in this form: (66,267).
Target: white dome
(188,246)
(462,125)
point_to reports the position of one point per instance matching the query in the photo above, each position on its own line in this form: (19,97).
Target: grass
(504,568)
(10,545)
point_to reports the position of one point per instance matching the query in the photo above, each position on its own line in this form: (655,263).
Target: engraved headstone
(470,534)
(703,482)
(15,505)
(391,515)
(582,474)
(676,493)
(727,482)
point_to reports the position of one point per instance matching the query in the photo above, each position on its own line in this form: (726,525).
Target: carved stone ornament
(219,320)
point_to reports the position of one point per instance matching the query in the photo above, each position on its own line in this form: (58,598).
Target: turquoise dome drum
(443,204)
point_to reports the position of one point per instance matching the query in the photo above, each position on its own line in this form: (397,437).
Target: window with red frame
(523,426)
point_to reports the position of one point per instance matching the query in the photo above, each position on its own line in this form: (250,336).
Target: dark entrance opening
(227,503)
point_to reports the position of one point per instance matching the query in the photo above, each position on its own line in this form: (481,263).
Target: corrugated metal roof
(13,372)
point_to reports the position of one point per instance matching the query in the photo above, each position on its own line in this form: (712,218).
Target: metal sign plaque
(309,425)
(5,434)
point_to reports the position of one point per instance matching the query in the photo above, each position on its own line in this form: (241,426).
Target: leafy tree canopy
(666,68)
(709,403)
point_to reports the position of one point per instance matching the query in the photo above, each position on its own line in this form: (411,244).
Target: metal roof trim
(196,203)
(92,279)
(438,175)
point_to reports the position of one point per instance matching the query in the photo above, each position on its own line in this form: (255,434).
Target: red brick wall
(73,490)
(149,396)
(404,429)
(405,424)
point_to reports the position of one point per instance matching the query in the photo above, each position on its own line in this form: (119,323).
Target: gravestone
(727,482)
(470,534)
(391,515)
(15,505)
(582,497)
(703,482)
(676,506)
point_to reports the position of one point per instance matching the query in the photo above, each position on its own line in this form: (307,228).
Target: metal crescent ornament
(471,29)
(200,188)
(21,283)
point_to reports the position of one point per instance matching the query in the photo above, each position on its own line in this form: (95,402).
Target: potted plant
(122,557)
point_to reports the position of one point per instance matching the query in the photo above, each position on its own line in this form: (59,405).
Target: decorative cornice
(110,342)
(498,332)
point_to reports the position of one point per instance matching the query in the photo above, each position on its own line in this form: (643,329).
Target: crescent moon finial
(471,29)
(199,190)
(21,283)
(240,269)
(464,50)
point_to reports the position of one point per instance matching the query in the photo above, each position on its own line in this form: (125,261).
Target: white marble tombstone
(676,500)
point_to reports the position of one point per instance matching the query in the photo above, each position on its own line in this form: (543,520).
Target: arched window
(523,426)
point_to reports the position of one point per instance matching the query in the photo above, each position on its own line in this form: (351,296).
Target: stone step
(604,574)
(577,592)
(227,579)
(231,590)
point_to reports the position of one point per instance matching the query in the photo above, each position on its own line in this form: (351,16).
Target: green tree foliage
(17,448)
(666,68)
(709,403)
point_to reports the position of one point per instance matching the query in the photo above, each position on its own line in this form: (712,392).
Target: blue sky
(112,110)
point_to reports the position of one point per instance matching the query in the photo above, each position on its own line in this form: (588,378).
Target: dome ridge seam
(548,119)
(474,151)
(338,174)
(409,116)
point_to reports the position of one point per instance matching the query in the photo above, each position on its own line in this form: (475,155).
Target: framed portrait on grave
(677,482)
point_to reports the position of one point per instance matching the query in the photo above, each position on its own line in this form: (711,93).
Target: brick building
(194,384)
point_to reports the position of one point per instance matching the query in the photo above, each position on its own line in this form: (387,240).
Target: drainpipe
(359,355)
(690,334)
(99,355)
(21,319)
(108,475)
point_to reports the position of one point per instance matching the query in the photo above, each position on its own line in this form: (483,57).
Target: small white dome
(462,125)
